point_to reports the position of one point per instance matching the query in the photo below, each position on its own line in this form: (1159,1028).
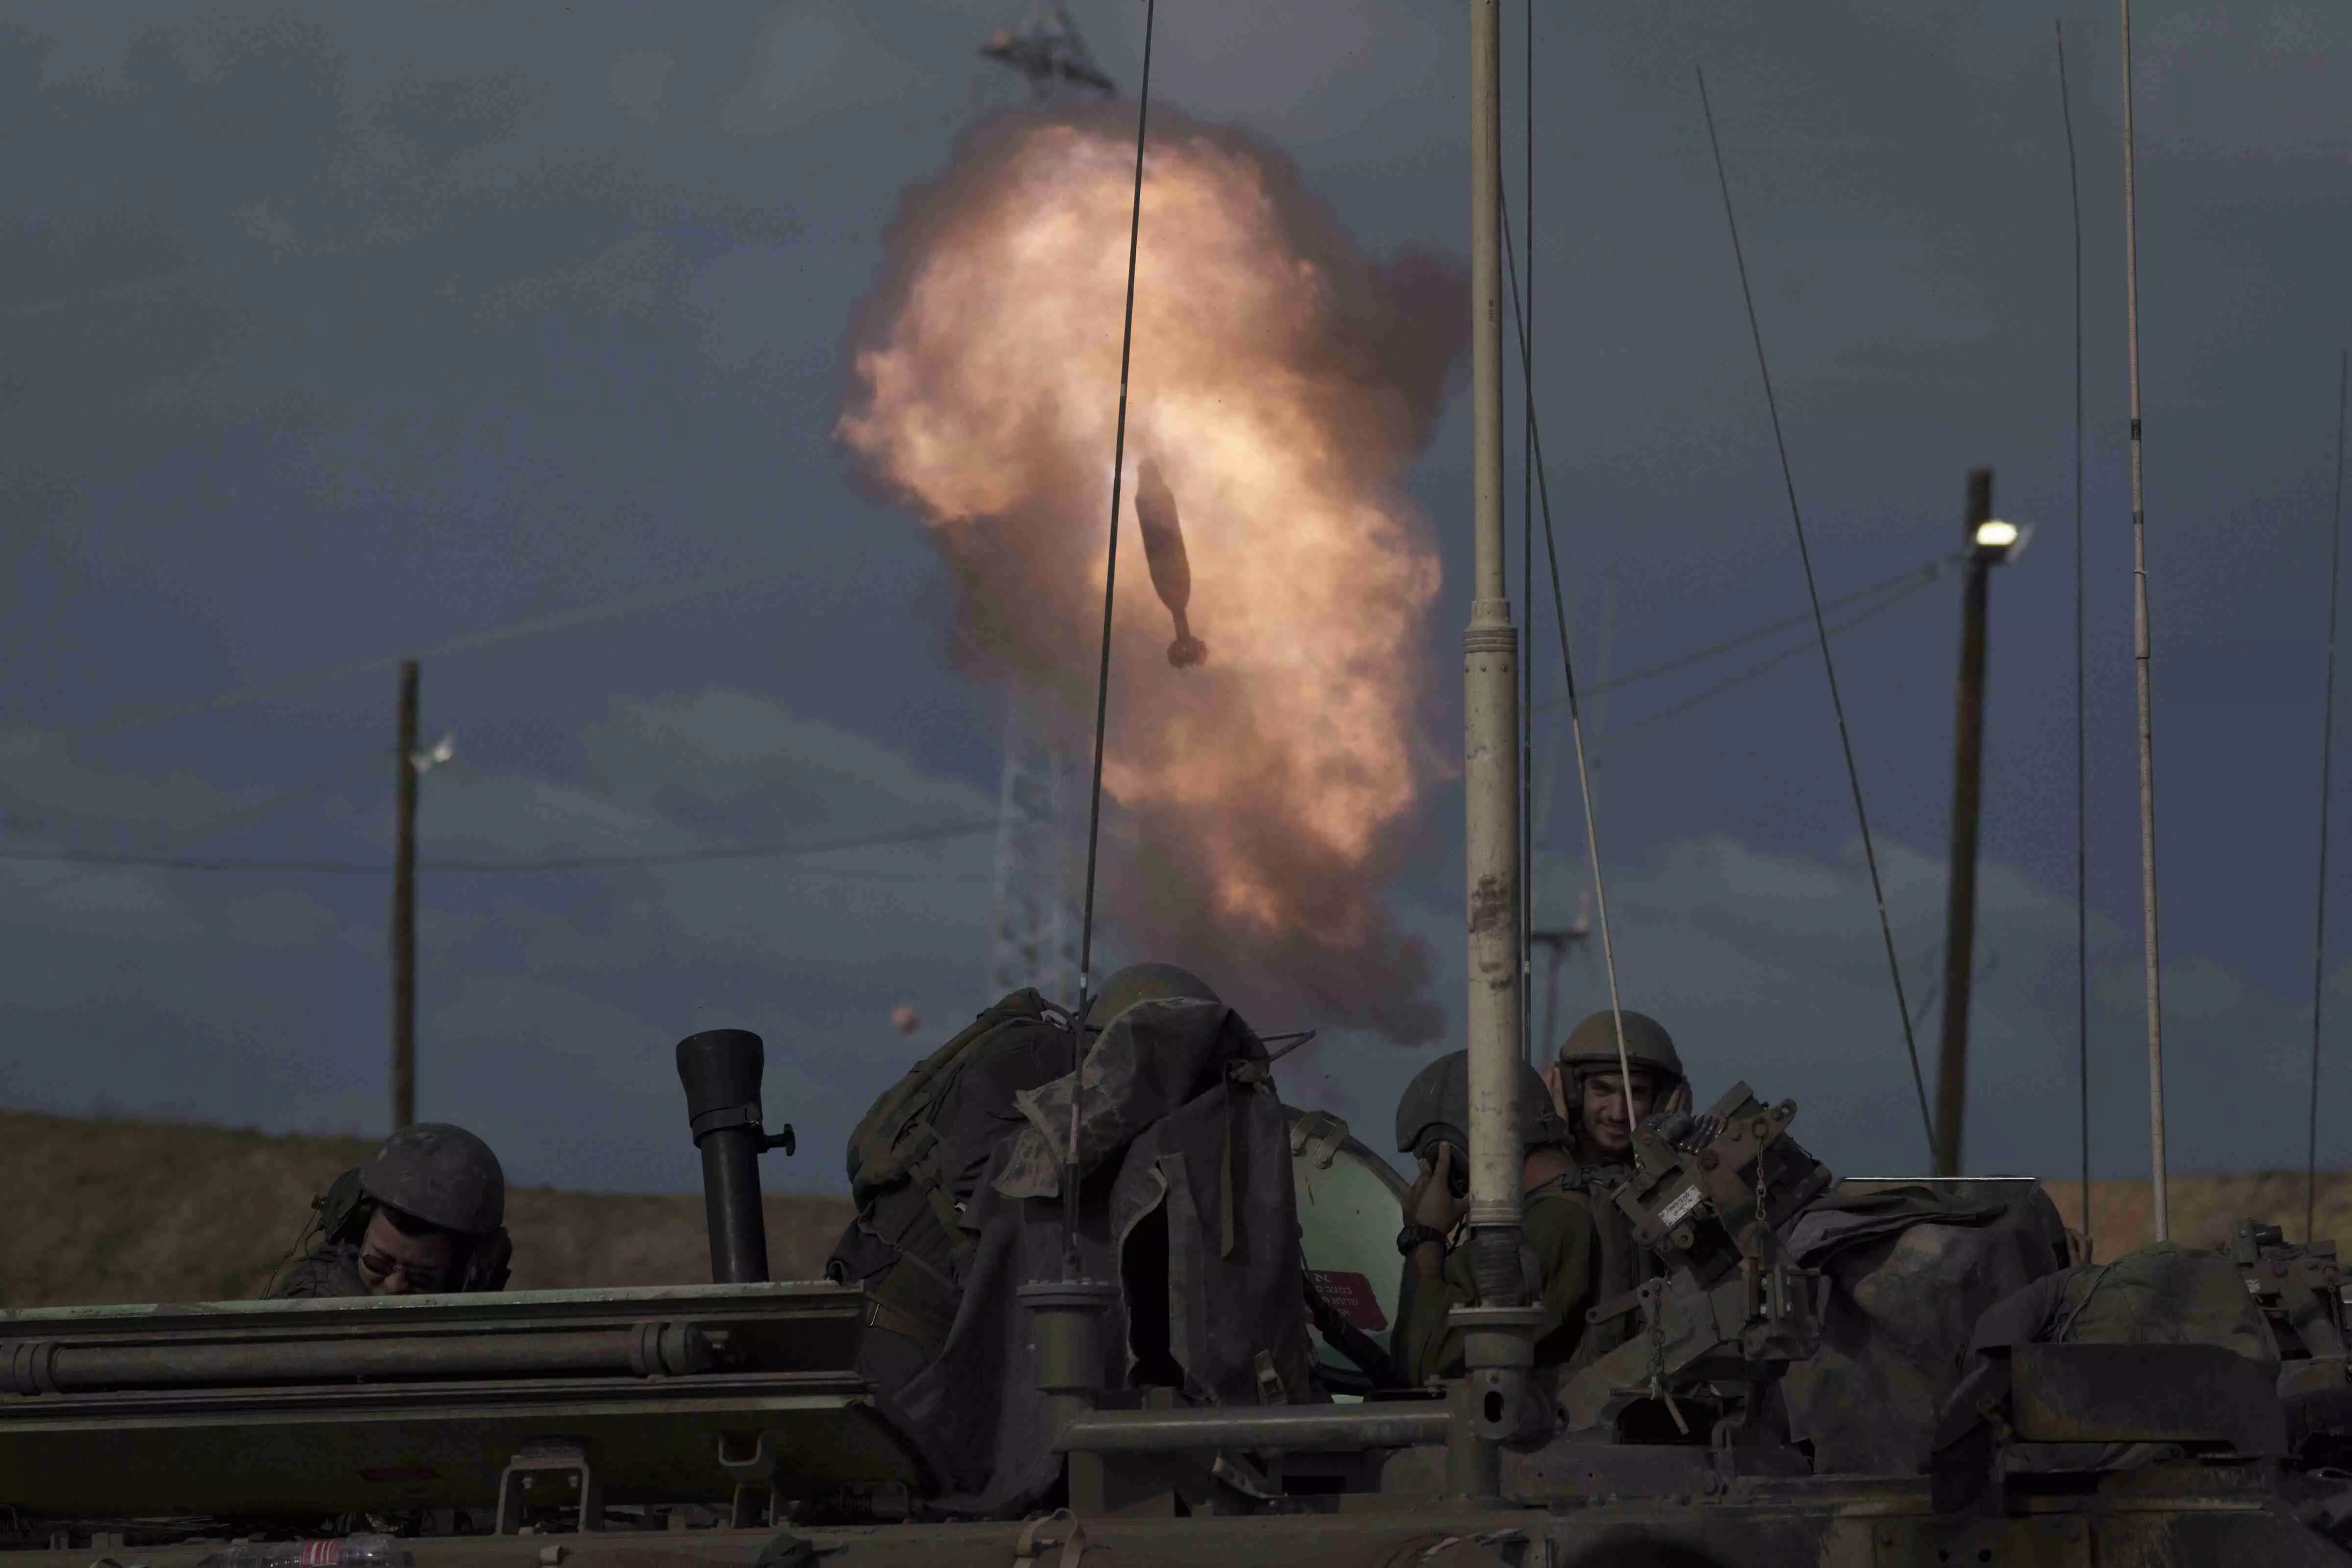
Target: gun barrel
(720,1069)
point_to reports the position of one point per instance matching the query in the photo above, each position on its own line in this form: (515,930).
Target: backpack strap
(1621,1267)
(894,1137)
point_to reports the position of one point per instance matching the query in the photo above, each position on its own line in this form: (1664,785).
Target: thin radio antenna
(1102,682)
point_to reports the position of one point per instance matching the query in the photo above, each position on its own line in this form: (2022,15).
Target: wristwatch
(1413,1235)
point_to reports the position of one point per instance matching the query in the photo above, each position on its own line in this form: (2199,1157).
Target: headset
(345,1208)
(1458,1177)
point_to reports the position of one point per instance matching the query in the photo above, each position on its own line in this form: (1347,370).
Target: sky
(331,337)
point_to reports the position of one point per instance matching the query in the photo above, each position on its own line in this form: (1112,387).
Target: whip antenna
(1102,681)
(1523,308)
(1568,674)
(2161,1181)
(2326,761)
(2081,720)
(1821,628)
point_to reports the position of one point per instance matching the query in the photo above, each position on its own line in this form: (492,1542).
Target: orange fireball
(1281,384)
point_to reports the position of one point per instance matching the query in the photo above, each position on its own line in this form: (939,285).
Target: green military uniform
(1556,1226)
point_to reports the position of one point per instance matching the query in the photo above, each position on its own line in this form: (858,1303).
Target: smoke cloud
(1282,383)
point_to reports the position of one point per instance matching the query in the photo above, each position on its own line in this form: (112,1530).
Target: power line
(1775,661)
(558,864)
(1914,577)
(559,621)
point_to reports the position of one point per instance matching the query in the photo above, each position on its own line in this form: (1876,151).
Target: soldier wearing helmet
(1432,1125)
(1144,983)
(423,1214)
(1589,1090)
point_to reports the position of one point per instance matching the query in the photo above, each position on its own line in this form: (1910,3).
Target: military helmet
(1591,1046)
(443,1175)
(1436,1108)
(1147,983)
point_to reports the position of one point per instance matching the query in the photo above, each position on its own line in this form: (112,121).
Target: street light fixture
(1999,538)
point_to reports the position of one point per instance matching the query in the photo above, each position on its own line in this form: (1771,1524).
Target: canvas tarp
(1185,1198)
(1910,1271)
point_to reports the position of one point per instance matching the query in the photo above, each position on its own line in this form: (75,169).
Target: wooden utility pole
(1989,543)
(404,911)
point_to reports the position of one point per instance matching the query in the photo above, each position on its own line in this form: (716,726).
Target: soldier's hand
(1556,1081)
(1431,1200)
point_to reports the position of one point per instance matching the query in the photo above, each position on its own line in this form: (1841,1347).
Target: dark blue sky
(323,339)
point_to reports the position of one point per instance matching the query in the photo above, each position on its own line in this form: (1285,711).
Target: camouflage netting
(2161,1294)
(1910,1271)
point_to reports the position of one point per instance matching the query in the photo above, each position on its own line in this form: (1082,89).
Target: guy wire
(2326,761)
(1102,681)
(2160,1181)
(2081,720)
(1568,675)
(1813,592)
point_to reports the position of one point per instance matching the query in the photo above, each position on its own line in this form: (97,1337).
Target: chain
(1658,1390)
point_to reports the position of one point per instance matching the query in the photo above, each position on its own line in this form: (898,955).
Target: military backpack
(916,1156)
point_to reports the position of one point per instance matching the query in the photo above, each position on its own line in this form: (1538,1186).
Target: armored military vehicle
(1801,1376)
(724,1421)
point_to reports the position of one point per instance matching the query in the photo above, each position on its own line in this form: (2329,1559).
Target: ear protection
(343,1209)
(1458,1177)
(486,1262)
(343,1212)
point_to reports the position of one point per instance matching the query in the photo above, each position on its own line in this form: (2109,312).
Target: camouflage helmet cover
(1591,1046)
(1436,1107)
(443,1175)
(1147,983)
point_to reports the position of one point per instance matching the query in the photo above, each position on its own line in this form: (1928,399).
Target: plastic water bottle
(345,1552)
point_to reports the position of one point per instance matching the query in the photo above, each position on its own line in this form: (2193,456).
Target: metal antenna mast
(2326,769)
(2140,655)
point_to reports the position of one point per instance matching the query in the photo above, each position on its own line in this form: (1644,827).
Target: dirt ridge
(97,1211)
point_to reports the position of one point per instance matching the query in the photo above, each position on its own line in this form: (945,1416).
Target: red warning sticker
(1352,1296)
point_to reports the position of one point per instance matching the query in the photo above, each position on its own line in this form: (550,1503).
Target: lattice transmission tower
(1033,933)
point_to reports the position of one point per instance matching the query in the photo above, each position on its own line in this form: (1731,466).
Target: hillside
(2204,1208)
(100,1211)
